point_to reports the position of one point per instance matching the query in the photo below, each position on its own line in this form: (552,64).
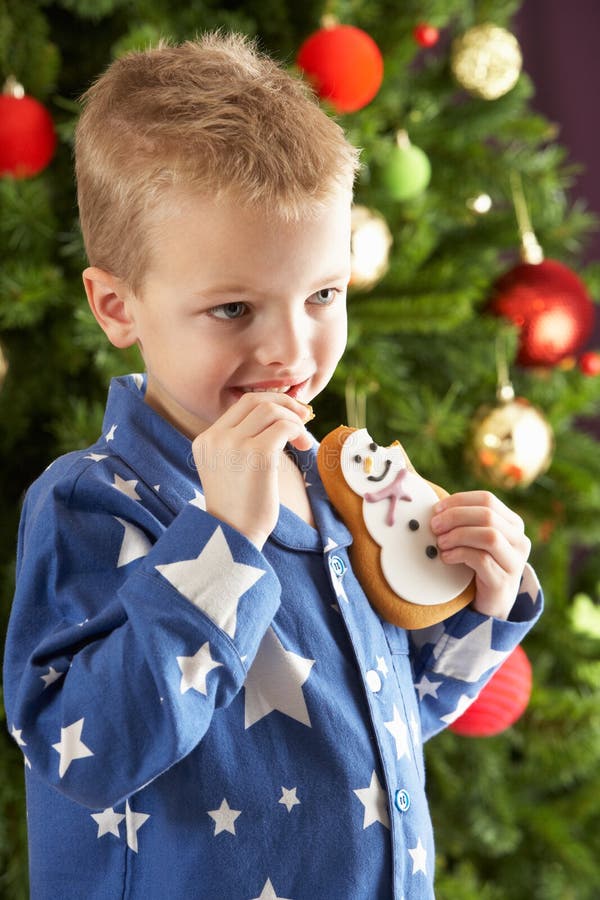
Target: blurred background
(474,339)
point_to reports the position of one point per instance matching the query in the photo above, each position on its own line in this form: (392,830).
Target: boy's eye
(228,311)
(324,297)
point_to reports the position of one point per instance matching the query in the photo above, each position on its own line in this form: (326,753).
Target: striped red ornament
(501,702)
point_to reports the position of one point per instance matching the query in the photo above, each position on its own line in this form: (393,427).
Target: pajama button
(373,680)
(402,800)
(337,566)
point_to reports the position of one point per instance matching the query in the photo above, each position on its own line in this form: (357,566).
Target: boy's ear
(110,301)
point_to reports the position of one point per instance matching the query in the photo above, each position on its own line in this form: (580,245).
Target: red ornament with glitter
(27,136)
(344,65)
(501,702)
(551,306)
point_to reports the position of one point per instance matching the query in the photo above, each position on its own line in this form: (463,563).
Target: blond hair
(212,116)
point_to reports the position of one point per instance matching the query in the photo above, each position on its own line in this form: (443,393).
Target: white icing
(407,568)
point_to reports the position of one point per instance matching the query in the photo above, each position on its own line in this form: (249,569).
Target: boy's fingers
(246,406)
(475,507)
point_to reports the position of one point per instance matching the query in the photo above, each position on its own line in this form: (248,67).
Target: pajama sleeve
(452,661)
(125,634)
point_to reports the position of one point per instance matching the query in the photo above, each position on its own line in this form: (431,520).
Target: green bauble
(407,171)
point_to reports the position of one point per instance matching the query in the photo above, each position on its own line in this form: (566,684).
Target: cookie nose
(368,465)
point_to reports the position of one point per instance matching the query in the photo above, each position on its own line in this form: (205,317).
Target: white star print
(425,687)
(382,666)
(195,668)
(268,892)
(330,545)
(51,676)
(126,487)
(275,681)
(463,703)
(108,822)
(96,457)
(213,581)
(111,433)
(419,858)
(375,803)
(134,545)
(16,733)
(70,746)
(339,588)
(199,500)
(138,380)
(399,731)
(289,798)
(467,658)
(133,823)
(224,817)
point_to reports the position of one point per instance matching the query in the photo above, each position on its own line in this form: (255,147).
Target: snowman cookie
(387,508)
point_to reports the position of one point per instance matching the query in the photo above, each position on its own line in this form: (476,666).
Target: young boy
(207,704)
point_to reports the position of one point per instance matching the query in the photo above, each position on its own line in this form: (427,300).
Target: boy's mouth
(292,390)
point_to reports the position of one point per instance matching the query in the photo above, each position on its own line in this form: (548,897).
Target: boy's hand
(238,459)
(477,529)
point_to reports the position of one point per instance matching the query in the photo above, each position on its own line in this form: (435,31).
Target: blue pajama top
(201,719)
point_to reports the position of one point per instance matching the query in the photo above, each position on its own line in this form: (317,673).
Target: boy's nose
(283,342)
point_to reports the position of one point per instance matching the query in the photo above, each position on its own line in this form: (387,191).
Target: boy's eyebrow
(232,289)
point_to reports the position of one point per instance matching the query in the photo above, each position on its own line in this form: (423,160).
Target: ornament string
(531,251)
(356,405)
(504,388)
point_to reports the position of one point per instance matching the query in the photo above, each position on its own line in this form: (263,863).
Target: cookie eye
(431,551)
(413,525)
(358,458)
(373,447)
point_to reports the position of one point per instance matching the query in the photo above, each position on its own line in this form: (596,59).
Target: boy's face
(236,301)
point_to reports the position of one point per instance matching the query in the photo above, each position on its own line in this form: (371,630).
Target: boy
(207,704)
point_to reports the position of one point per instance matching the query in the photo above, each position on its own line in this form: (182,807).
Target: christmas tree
(467,289)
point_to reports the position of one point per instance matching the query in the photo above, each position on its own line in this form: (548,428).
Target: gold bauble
(511,444)
(486,60)
(371,240)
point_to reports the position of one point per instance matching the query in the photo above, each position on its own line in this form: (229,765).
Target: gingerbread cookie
(387,507)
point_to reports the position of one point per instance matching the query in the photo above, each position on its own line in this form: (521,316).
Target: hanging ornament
(370,244)
(501,702)
(589,363)
(511,443)
(550,305)
(486,61)
(407,171)
(426,35)
(544,298)
(27,136)
(344,65)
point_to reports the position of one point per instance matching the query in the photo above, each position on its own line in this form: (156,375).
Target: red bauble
(27,136)
(502,700)
(550,305)
(344,64)
(426,35)
(589,363)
